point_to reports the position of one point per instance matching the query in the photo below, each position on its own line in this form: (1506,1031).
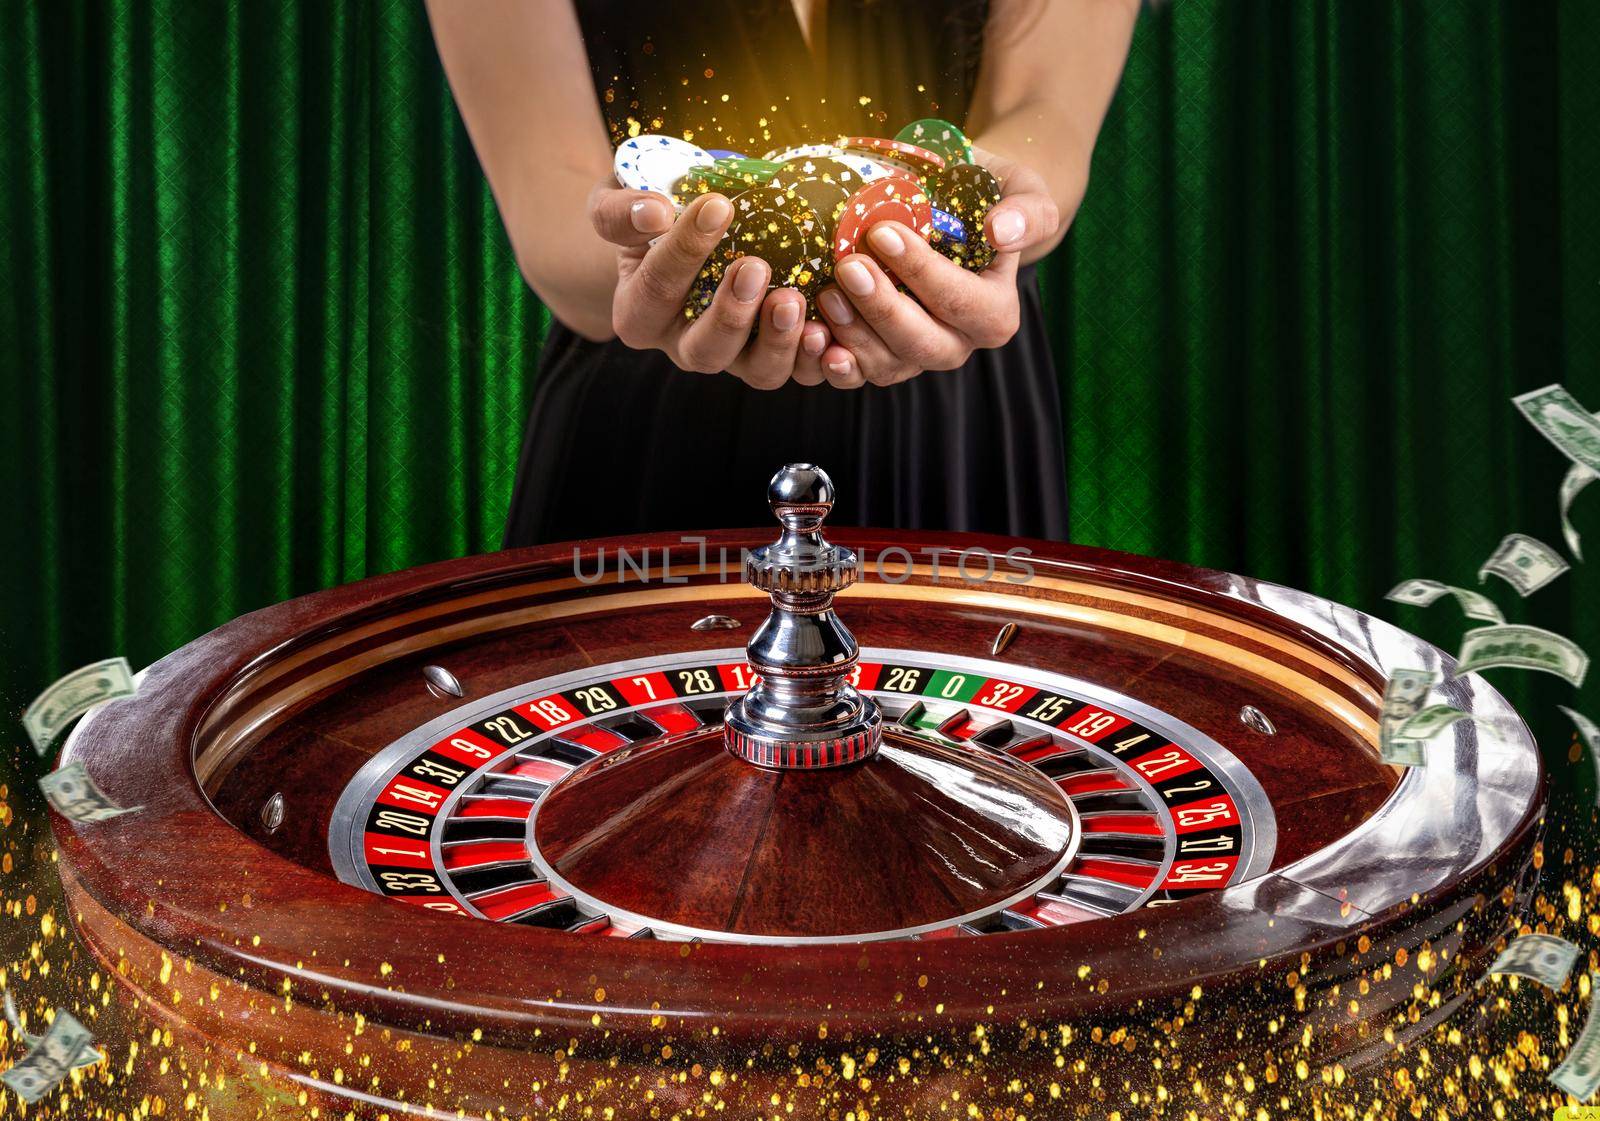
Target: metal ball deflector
(802,713)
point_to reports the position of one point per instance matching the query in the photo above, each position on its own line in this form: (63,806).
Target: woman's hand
(882,336)
(658,259)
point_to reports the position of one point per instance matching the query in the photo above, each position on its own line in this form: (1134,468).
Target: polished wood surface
(1321,776)
(294,697)
(684,832)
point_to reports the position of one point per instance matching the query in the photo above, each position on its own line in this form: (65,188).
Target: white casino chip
(655,163)
(869,170)
(815,151)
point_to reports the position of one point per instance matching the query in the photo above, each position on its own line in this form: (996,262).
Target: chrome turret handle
(803,713)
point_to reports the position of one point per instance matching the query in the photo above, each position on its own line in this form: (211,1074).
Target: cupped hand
(882,336)
(658,258)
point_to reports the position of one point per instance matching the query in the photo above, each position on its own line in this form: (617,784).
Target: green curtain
(262,332)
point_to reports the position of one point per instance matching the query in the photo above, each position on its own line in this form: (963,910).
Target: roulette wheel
(645,824)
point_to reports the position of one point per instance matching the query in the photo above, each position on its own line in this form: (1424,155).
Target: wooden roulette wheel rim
(179,880)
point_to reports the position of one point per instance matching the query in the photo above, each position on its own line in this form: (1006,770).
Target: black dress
(622,441)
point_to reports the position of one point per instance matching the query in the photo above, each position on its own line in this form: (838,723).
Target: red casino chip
(888,200)
(896,152)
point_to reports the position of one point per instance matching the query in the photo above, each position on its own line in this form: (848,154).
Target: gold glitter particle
(1441,1045)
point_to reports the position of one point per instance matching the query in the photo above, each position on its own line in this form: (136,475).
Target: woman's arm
(606,261)
(1049,70)
(521,80)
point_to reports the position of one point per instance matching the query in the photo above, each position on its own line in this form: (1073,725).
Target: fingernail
(751,281)
(786,316)
(855,277)
(1009,226)
(887,240)
(713,215)
(840,367)
(836,307)
(649,216)
(814,342)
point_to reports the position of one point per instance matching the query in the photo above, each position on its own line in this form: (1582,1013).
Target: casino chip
(896,153)
(743,172)
(803,207)
(729,176)
(940,137)
(946,228)
(777,226)
(967,192)
(826,199)
(887,200)
(870,169)
(692,185)
(844,172)
(824,183)
(820,151)
(704,288)
(656,163)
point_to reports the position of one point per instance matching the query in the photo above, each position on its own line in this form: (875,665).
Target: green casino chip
(938,136)
(728,176)
(725,176)
(743,171)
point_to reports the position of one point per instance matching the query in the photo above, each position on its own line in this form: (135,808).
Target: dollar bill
(1521,647)
(1402,699)
(74,795)
(1524,562)
(87,1056)
(1578,476)
(1428,723)
(16,1023)
(1422,593)
(44,1067)
(1539,957)
(1579,1072)
(72,696)
(1590,733)
(1565,423)
(1403,753)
